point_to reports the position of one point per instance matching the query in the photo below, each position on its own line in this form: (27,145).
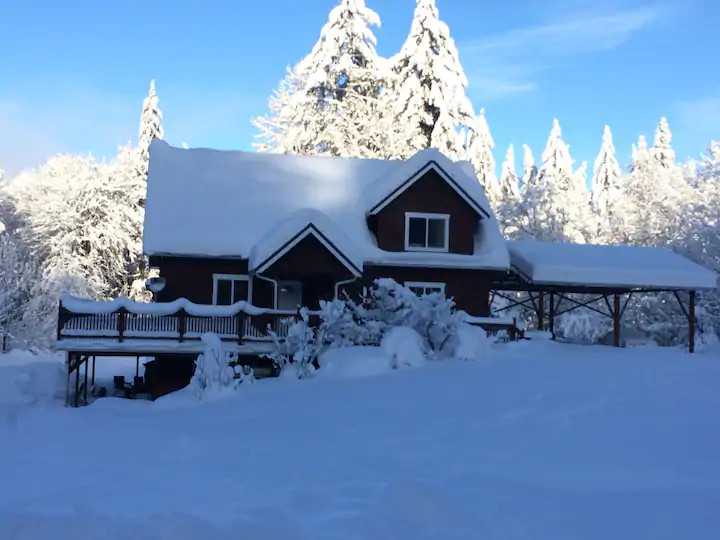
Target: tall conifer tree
(332,102)
(150,128)
(607,180)
(431,107)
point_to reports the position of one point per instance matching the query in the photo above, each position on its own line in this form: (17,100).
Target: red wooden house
(281,231)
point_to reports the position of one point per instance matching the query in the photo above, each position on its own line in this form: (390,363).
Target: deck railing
(246,324)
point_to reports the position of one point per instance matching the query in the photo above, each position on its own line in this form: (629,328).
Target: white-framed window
(229,289)
(421,288)
(427,232)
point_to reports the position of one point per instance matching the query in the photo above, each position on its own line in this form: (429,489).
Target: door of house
(289,295)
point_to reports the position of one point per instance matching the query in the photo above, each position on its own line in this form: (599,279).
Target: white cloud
(508,63)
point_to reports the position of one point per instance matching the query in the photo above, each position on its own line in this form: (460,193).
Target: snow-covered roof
(217,203)
(608,266)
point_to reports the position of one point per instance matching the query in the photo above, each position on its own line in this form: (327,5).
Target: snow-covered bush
(212,374)
(388,311)
(582,326)
(471,343)
(432,316)
(300,349)
(404,347)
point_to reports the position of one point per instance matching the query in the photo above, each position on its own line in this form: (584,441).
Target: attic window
(426,232)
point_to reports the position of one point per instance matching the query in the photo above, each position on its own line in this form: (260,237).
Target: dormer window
(426,232)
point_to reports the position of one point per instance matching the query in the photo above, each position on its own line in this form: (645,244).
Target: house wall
(428,194)
(469,288)
(192,278)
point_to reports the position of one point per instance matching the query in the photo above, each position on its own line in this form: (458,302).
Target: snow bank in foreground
(404,347)
(353,362)
(31,379)
(472,343)
(551,441)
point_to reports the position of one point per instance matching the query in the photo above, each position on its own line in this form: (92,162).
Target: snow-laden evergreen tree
(607,175)
(333,102)
(508,207)
(150,128)
(556,204)
(710,165)
(606,186)
(530,171)
(17,276)
(479,151)
(431,106)
(509,182)
(662,150)
(83,227)
(640,154)
(653,196)
(274,126)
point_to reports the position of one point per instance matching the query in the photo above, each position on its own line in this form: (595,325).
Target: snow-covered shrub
(582,326)
(300,349)
(471,343)
(353,362)
(432,316)
(212,374)
(404,347)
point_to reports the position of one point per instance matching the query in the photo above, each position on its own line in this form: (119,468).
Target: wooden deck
(122,326)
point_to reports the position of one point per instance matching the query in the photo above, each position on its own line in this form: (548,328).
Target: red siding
(192,278)
(429,194)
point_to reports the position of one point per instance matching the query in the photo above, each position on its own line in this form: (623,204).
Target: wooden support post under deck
(77,384)
(551,320)
(616,320)
(137,366)
(691,323)
(541,311)
(93,372)
(68,359)
(85,399)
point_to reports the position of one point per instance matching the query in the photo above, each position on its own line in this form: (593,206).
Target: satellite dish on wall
(156,284)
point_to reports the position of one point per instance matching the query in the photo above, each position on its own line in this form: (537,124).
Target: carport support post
(551,320)
(691,323)
(616,320)
(541,311)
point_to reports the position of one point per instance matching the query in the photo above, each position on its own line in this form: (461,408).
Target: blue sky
(74,74)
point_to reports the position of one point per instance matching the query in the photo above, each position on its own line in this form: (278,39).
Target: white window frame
(427,217)
(424,285)
(232,278)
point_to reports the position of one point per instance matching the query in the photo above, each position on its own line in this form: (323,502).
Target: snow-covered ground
(542,441)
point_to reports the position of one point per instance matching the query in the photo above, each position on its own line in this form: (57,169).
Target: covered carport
(607,277)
